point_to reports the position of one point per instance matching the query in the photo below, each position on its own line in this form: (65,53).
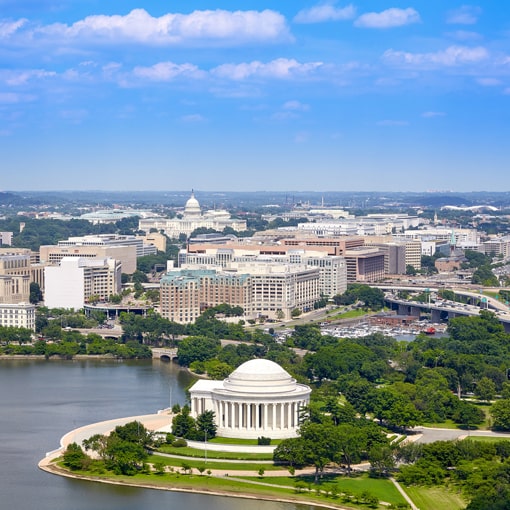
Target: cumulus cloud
(325,12)
(465,15)
(168,71)
(140,27)
(451,56)
(7,28)
(21,77)
(279,68)
(389,18)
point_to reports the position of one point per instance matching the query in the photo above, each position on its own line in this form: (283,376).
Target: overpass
(444,310)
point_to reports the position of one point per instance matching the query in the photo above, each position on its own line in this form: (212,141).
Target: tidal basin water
(42,400)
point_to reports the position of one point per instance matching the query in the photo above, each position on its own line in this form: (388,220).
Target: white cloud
(7,28)
(488,82)
(280,68)
(295,106)
(389,18)
(325,12)
(451,56)
(465,15)
(138,26)
(168,71)
(21,77)
(193,118)
(431,115)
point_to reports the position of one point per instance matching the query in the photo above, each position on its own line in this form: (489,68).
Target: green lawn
(489,439)
(448,424)
(197,453)
(435,498)
(212,464)
(348,315)
(382,488)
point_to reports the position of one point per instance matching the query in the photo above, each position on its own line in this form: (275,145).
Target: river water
(42,400)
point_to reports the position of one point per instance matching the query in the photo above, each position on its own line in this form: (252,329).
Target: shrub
(263,441)
(179,443)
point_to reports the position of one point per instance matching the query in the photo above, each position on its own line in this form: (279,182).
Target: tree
(35,293)
(382,460)
(197,348)
(206,425)
(320,445)
(292,452)
(75,458)
(410,270)
(500,412)
(468,414)
(295,313)
(485,389)
(350,443)
(183,425)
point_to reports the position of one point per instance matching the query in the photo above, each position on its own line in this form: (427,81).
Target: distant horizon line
(195,190)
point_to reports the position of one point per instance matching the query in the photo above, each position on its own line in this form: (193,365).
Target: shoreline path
(162,421)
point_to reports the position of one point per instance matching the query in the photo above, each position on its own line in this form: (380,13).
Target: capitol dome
(192,207)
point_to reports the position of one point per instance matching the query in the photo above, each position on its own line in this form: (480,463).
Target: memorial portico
(258,399)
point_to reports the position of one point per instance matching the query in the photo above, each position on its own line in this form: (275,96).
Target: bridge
(164,353)
(445,310)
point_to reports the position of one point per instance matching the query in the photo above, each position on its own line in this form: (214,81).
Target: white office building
(19,315)
(76,280)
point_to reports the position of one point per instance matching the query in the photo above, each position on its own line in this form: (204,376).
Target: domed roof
(260,376)
(192,207)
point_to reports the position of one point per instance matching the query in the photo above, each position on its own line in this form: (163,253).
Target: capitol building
(192,218)
(259,398)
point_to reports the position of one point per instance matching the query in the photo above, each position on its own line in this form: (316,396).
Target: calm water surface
(42,400)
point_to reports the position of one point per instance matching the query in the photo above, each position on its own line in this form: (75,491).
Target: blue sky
(158,95)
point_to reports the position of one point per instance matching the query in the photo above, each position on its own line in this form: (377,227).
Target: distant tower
(453,242)
(435,217)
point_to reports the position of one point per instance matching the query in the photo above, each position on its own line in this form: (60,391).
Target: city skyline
(367,95)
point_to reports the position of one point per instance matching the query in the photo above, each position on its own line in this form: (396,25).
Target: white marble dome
(258,398)
(260,376)
(192,207)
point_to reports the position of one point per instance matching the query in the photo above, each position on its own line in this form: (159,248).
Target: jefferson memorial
(259,398)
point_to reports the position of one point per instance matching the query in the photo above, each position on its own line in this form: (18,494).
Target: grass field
(382,488)
(197,453)
(435,498)
(489,439)
(263,488)
(212,464)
